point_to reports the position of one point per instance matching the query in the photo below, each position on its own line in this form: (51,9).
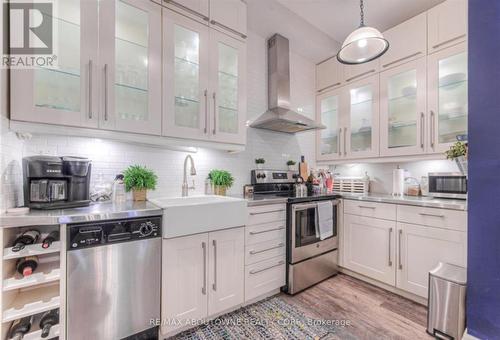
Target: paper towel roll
(398,182)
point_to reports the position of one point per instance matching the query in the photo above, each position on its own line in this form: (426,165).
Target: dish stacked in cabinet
(30,295)
(265,250)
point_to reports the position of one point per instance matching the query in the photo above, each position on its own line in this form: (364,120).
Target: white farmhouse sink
(200,214)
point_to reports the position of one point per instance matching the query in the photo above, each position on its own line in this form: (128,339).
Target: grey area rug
(269,319)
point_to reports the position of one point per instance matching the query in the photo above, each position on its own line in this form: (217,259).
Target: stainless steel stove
(309,258)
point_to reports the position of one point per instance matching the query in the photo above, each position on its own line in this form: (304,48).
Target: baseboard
(392,289)
(467,336)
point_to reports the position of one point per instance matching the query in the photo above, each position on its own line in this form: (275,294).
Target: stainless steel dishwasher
(113,279)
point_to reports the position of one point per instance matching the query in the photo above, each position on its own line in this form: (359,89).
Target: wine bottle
(20,327)
(27,265)
(48,320)
(27,237)
(51,237)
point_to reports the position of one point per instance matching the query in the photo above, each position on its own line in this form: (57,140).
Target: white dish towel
(324,220)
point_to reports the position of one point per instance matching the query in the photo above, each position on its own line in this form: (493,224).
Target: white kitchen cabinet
(229,15)
(194,9)
(185,282)
(227,83)
(407,41)
(447,96)
(328,74)
(361,124)
(355,72)
(130,66)
(420,249)
(446,24)
(68,93)
(226,269)
(330,111)
(369,247)
(264,277)
(185,77)
(403,109)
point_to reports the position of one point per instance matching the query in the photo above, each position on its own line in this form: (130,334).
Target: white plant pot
(291,167)
(260,166)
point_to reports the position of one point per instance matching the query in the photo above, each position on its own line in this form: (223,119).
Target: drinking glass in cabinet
(131,62)
(227,102)
(59,87)
(402,109)
(361,118)
(329,118)
(186,78)
(452,116)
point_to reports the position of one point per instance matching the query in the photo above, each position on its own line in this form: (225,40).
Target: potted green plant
(260,163)
(221,180)
(139,179)
(291,165)
(458,153)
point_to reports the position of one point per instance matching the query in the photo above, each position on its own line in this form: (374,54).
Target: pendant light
(363,45)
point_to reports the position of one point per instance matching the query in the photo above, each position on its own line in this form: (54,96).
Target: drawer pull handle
(253,252)
(267,268)
(265,212)
(366,207)
(266,231)
(432,215)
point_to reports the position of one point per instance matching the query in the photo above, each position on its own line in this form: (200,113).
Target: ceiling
(338,18)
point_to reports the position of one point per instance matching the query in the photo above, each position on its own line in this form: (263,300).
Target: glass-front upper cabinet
(227,88)
(447,102)
(329,107)
(65,92)
(185,77)
(130,65)
(402,109)
(361,128)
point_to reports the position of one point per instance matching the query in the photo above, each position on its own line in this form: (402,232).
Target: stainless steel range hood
(280,117)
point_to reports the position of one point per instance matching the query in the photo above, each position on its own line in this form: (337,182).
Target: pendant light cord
(362,13)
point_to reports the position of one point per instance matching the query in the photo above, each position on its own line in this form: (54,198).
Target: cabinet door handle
(267,268)
(214,96)
(399,249)
(213,22)
(90,88)
(105,92)
(187,9)
(422,123)
(360,75)
(432,128)
(279,245)
(266,231)
(448,41)
(432,215)
(345,142)
(338,142)
(390,247)
(328,87)
(366,207)
(214,286)
(205,93)
(204,288)
(266,212)
(401,59)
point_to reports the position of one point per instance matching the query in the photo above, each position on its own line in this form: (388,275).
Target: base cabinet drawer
(263,251)
(433,217)
(266,214)
(383,211)
(264,277)
(265,232)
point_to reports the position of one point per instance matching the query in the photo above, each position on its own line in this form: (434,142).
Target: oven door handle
(303,206)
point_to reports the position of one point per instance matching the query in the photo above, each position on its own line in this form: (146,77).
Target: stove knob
(146,229)
(263,175)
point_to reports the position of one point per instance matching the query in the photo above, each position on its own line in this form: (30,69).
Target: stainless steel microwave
(448,185)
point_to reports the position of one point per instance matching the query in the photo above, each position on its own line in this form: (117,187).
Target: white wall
(109,157)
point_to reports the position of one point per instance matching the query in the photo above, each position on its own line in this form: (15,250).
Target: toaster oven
(448,185)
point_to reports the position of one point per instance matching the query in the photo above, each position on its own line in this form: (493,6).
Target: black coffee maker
(56,182)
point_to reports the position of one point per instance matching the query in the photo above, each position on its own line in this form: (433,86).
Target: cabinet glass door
(185,77)
(65,92)
(131,63)
(448,105)
(228,88)
(328,141)
(402,105)
(361,132)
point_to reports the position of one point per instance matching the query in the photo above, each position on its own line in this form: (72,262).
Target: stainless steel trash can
(446,304)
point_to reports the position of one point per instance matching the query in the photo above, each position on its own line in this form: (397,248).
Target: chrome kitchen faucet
(185,186)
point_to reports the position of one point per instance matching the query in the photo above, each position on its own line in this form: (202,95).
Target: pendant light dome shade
(363,45)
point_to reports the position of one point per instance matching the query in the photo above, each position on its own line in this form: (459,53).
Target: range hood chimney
(280,117)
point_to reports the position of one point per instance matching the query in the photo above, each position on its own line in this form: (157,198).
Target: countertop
(94,212)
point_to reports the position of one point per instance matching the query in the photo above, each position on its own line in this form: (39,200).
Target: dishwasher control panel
(100,233)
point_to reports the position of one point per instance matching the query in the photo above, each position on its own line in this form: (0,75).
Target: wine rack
(37,293)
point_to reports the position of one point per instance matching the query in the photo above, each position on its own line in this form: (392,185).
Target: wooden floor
(373,313)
